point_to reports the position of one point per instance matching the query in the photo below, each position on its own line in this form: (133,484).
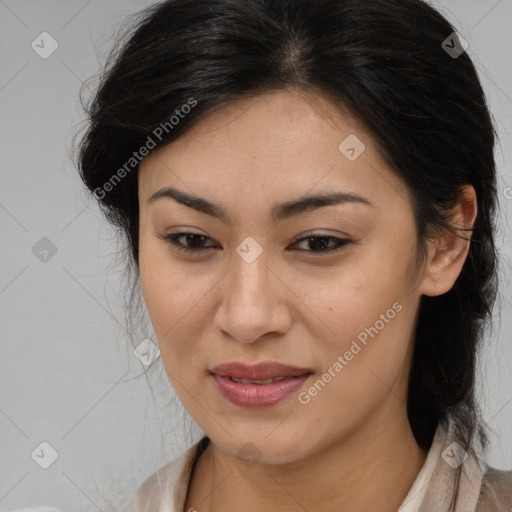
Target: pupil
(193,237)
(319,243)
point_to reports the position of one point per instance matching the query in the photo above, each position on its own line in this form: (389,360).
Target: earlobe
(448,252)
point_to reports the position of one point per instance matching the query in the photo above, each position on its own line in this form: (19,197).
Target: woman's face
(256,289)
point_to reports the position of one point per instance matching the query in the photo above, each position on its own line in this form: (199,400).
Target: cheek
(176,297)
(353,296)
(363,355)
(168,292)
(368,311)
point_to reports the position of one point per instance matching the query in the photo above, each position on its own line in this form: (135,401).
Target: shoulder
(496,491)
(168,485)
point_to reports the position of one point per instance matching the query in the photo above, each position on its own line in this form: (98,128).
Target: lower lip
(258,396)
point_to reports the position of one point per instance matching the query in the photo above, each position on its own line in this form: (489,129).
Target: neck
(372,469)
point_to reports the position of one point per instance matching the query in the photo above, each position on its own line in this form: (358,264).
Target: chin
(273,449)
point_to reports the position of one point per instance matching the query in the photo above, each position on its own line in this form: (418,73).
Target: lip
(258,371)
(258,396)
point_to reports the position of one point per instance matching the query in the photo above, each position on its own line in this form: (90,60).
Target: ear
(448,252)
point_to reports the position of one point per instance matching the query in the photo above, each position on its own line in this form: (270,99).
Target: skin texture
(351,447)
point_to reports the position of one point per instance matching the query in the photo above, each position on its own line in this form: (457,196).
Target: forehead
(280,145)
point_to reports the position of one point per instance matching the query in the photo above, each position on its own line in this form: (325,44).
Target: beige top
(412,501)
(481,488)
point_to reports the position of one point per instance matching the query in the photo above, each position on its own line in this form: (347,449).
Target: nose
(254,301)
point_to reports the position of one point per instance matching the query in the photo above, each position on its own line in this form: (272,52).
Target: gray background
(68,375)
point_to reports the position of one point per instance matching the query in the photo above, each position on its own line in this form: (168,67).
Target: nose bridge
(250,273)
(249,299)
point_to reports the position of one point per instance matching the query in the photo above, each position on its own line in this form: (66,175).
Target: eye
(317,243)
(173,238)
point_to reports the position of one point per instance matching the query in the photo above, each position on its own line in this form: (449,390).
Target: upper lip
(259,371)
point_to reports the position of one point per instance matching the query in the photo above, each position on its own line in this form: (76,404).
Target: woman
(308,190)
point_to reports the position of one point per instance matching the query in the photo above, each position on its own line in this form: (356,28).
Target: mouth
(259,386)
(260,372)
(258,382)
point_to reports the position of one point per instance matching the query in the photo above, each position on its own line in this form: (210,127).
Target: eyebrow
(279,211)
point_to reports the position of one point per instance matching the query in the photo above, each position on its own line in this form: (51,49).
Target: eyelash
(172,240)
